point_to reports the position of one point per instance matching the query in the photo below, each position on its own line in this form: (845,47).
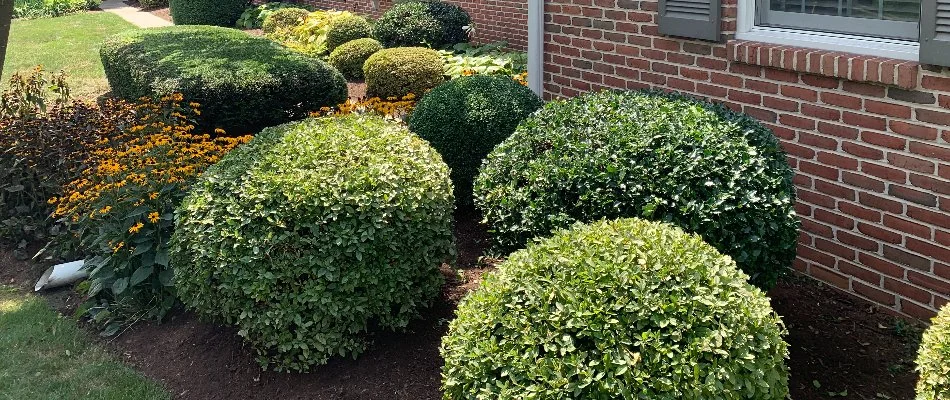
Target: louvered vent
(935,32)
(690,18)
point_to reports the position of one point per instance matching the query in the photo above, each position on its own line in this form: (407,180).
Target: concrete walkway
(142,19)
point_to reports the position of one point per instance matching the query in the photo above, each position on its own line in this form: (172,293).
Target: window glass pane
(889,10)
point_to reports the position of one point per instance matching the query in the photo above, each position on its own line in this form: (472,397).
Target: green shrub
(152,4)
(489,59)
(429,23)
(311,35)
(933,360)
(242,82)
(466,118)
(349,57)
(625,309)
(652,155)
(253,17)
(283,20)
(312,233)
(347,29)
(50,8)
(399,71)
(206,12)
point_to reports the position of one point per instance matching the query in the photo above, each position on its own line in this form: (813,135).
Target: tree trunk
(6,18)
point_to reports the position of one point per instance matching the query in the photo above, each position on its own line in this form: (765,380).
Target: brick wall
(869,138)
(493,20)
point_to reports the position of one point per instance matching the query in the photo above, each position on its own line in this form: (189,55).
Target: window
(895,19)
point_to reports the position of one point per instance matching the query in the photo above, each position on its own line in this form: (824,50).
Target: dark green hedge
(207,12)
(625,309)
(313,234)
(422,23)
(464,119)
(653,155)
(243,83)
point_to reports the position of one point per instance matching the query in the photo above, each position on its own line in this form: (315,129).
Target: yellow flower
(219,131)
(51,200)
(153,196)
(136,228)
(153,217)
(105,210)
(115,249)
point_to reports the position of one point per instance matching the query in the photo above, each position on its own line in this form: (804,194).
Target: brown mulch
(357,89)
(838,342)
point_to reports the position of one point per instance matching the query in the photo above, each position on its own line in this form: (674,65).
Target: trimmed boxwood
(206,12)
(346,29)
(402,70)
(652,155)
(464,119)
(283,19)
(349,57)
(422,23)
(625,309)
(933,359)
(243,83)
(314,232)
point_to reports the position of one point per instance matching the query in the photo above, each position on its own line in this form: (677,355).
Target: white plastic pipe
(61,275)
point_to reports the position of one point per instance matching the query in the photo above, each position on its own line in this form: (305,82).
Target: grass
(46,356)
(70,43)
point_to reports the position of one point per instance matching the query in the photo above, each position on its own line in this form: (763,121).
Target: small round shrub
(624,309)
(206,12)
(408,24)
(399,71)
(464,119)
(312,233)
(933,359)
(244,83)
(428,23)
(349,57)
(151,4)
(652,155)
(346,29)
(283,19)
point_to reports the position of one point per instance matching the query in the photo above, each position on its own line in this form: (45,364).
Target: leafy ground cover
(69,43)
(46,356)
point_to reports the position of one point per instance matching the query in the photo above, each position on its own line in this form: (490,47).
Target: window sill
(832,63)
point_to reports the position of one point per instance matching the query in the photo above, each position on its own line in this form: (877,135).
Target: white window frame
(877,47)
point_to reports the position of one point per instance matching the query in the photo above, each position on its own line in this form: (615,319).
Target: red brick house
(858,91)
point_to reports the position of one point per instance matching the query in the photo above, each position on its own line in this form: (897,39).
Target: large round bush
(933,359)
(624,309)
(464,119)
(206,12)
(422,23)
(347,28)
(646,154)
(243,82)
(349,57)
(314,232)
(402,70)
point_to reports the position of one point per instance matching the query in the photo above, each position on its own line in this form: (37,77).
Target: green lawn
(46,356)
(70,43)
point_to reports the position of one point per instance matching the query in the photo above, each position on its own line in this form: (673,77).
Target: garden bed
(838,343)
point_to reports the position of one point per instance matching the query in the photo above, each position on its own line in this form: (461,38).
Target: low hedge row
(244,83)
(206,12)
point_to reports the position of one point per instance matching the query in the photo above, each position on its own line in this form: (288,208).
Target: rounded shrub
(933,359)
(206,12)
(349,57)
(652,155)
(623,309)
(402,70)
(346,29)
(283,19)
(464,119)
(427,23)
(314,232)
(243,83)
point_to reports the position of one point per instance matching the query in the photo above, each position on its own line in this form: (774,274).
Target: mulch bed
(838,342)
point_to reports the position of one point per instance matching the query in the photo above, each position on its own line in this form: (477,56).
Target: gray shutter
(935,32)
(698,19)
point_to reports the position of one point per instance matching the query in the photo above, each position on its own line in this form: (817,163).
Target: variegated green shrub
(625,309)
(314,232)
(933,360)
